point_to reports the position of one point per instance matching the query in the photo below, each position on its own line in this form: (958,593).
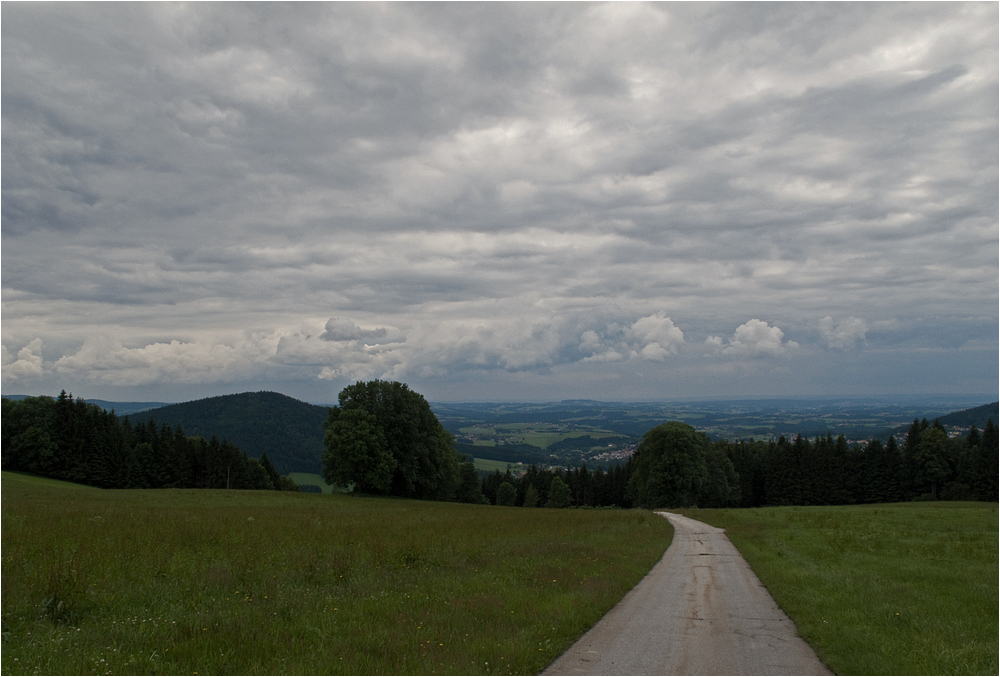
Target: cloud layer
(560,199)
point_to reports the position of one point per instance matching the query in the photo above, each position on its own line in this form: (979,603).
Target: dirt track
(700,611)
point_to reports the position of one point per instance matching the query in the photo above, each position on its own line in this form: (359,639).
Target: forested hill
(976,416)
(289,431)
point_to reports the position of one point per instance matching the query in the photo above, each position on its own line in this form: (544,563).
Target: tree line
(559,488)
(676,466)
(72,440)
(925,465)
(383,439)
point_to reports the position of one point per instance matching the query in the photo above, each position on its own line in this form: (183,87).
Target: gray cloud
(844,334)
(509,188)
(341,329)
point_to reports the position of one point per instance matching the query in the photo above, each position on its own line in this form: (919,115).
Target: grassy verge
(210,582)
(905,588)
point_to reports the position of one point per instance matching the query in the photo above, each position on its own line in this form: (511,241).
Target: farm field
(209,582)
(537,434)
(905,588)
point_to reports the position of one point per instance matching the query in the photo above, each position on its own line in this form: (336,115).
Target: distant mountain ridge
(288,430)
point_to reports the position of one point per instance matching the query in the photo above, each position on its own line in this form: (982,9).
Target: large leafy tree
(670,467)
(560,495)
(506,493)
(357,454)
(931,460)
(393,434)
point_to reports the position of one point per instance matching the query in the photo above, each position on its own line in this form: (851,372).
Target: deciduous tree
(357,453)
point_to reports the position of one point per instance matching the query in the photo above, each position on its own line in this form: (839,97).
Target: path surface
(700,611)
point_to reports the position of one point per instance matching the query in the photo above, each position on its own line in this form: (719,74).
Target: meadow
(301,478)
(904,588)
(214,582)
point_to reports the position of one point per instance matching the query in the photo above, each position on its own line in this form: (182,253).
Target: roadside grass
(906,588)
(214,582)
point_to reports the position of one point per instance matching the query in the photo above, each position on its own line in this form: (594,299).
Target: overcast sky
(520,201)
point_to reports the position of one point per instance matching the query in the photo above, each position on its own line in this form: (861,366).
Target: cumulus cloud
(341,329)
(657,336)
(104,360)
(27,366)
(653,337)
(596,349)
(754,338)
(845,334)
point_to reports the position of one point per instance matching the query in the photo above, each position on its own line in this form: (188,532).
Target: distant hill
(126,408)
(120,408)
(289,431)
(977,416)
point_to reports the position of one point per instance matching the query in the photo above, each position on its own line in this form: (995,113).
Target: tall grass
(907,588)
(210,582)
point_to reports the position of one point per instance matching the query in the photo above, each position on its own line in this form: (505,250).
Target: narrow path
(700,611)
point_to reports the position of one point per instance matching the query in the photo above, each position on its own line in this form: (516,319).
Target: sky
(489,202)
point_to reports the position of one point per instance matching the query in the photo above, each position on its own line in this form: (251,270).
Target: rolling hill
(289,431)
(976,416)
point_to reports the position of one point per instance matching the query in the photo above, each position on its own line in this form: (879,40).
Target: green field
(489,465)
(302,478)
(539,435)
(484,464)
(906,588)
(214,582)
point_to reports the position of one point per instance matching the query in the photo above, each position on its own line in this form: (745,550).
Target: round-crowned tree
(506,494)
(669,466)
(356,452)
(413,447)
(560,495)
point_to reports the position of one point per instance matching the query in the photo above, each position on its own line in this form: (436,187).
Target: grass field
(485,464)
(209,582)
(908,588)
(301,478)
(490,465)
(540,435)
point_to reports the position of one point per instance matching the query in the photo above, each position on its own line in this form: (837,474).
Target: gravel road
(700,611)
